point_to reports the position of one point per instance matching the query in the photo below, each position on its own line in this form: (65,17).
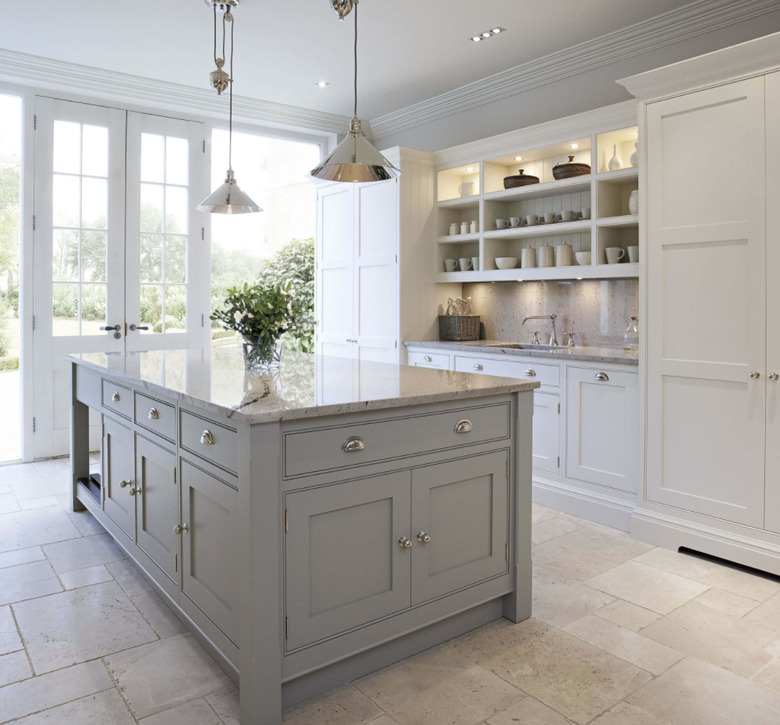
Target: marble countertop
(589,354)
(306,385)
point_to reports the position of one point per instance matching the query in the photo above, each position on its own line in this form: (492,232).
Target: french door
(121,265)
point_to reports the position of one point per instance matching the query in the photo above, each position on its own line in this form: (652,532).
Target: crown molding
(98,83)
(754,57)
(697,18)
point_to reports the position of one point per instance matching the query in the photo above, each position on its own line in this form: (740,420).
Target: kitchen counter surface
(589,354)
(216,381)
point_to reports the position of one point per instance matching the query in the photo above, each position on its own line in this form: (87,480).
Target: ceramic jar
(545,256)
(528,257)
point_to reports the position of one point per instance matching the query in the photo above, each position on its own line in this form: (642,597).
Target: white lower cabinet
(547,432)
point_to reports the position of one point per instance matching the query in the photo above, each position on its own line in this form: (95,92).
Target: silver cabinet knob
(153,414)
(427,358)
(423,538)
(353,444)
(531,373)
(464,425)
(755,375)
(180,527)
(405,543)
(207,438)
(115,396)
(601,376)
(478,366)
(773,376)
(123,484)
(134,491)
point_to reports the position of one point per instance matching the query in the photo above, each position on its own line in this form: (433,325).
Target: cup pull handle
(353,444)
(115,396)
(427,358)
(153,414)
(477,366)
(531,373)
(601,376)
(207,438)
(464,426)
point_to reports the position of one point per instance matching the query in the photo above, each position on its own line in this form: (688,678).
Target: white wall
(576,94)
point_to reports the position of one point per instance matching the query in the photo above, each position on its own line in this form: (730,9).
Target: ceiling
(409,50)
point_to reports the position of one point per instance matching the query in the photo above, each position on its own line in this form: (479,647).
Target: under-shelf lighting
(518,158)
(323,84)
(470,169)
(574,146)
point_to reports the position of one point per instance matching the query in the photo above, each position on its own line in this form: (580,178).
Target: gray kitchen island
(317,523)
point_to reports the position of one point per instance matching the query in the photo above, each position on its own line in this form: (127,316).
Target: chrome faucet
(552,318)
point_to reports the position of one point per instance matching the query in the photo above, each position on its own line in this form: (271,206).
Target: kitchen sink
(524,346)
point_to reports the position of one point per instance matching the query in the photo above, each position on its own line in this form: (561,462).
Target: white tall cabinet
(710,302)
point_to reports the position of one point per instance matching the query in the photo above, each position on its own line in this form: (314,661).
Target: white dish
(506,262)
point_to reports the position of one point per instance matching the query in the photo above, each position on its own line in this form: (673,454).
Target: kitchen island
(317,523)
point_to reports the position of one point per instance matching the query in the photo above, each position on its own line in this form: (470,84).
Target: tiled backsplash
(596,310)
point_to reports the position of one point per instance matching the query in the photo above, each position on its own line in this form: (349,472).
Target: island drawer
(543,373)
(156,416)
(342,446)
(209,440)
(428,359)
(117,398)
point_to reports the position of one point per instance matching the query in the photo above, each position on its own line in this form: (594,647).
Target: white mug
(531,219)
(615,254)
(475,263)
(502,223)
(567,215)
(514,221)
(585,211)
(450,265)
(550,217)
(466,188)
(465,264)
(583,258)
(633,253)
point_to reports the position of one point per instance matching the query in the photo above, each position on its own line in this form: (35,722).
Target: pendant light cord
(230,117)
(356,65)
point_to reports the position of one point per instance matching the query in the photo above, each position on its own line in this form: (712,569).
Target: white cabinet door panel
(546,432)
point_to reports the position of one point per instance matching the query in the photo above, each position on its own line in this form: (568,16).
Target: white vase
(633,202)
(634,160)
(615,162)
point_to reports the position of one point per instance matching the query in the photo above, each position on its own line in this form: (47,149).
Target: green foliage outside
(9,363)
(9,254)
(4,339)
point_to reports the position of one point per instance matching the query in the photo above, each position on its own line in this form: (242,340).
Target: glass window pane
(93,309)
(93,256)
(151,307)
(67,147)
(65,309)
(176,210)
(151,257)
(175,309)
(95,151)
(176,259)
(94,203)
(152,157)
(151,208)
(152,366)
(65,201)
(65,255)
(177,162)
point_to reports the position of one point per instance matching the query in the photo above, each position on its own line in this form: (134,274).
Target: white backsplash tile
(596,310)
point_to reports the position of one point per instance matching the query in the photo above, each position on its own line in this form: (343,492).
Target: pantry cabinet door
(463,507)
(546,432)
(706,302)
(119,475)
(343,564)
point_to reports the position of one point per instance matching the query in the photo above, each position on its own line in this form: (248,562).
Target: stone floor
(622,634)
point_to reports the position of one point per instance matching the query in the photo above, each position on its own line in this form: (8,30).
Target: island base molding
(738,544)
(599,508)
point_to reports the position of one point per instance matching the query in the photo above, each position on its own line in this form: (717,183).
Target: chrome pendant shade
(228,198)
(354,160)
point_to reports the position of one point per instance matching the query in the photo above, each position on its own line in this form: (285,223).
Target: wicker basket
(459,327)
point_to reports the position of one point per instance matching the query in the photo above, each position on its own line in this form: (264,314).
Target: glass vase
(261,355)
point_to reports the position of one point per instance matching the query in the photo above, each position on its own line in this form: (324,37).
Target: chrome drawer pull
(755,375)
(427,358)
(115,396)
(531,373)
(477,366)
(601,376)
(353,444)
(405,543)
(134,491)
(178,529)
(122,484)
(153,414)
(207,438)
(464,425)
(423,538)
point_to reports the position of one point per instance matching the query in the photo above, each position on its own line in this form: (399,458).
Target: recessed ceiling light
(322,84)
(488,33)
(496,31)
(574,146)
(477,38)
(518,158)
(470,169)
(579,277)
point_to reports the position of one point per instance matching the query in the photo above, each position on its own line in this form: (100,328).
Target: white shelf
(540,230)
(631,172)
(619,222)
(535,191)
(458,238)
(592,271)
(461,202)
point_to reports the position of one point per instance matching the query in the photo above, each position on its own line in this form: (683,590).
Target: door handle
(111,328)
(135,327)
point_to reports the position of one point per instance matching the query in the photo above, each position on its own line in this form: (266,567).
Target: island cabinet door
(209,511)
(157,504)
(459,524)
(119,484)
(347,556)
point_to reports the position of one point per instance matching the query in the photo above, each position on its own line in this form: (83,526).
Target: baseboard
(599,508)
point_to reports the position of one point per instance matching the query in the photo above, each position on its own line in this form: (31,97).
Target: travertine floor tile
(540,513)
(572,677)
(727,602)
(550,528)
(38,503)
(676,563)
(194,712)
(627,615)
(160,618)
(630,646)
(9,637)
(84,521)
(166,673)
(21,556)
(48,484)
(585,553)
(225,703)
(625,714)
(128,577)
(717,637)
(698,692)
(769,676)
(79,625)
(497,638)
(50,690)
(438,687)
(8,503)
(746,584)
(82,553)
(20,473)
(559,601)
(27,581)
(647,586)
(105,708)
(767,614)
(344,706)
(14,667)
(85,577)
(528,711)
(36,527)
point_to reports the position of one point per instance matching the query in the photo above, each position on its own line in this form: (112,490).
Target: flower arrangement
(261,313)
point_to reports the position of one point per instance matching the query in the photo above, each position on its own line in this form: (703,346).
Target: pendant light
(228,198)
(354,159)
